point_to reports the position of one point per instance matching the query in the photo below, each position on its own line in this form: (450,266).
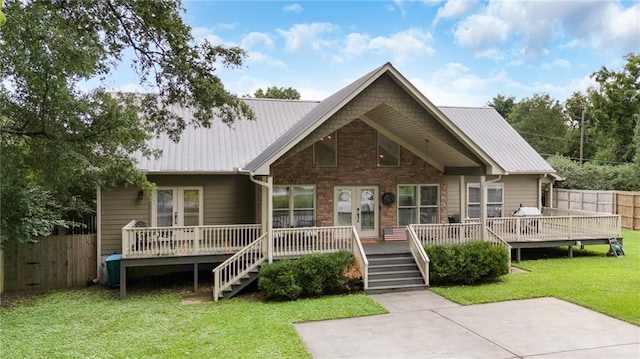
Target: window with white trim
(325,151)
(388,152)
(418,204)
(294,206)
(495,199)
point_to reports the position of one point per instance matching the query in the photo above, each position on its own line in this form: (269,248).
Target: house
(374,157)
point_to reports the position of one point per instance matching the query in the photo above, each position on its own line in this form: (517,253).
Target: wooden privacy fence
(53,262)
(625,204)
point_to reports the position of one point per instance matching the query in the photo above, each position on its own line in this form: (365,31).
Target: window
(325,151)
(388,152)
(294,206)
(418,204)
(494,200)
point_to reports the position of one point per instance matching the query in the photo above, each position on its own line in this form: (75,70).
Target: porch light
(140,195)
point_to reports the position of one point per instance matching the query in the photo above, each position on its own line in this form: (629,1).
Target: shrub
(467,263)
(309,276)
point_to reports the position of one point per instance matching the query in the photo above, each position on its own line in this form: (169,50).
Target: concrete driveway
(425,325)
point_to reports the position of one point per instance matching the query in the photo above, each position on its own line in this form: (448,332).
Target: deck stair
(239,285)
(393,272)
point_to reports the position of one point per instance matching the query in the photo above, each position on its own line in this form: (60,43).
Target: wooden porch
(241,249)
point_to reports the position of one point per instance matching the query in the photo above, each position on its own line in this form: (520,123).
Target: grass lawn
(93,323)
(605,284)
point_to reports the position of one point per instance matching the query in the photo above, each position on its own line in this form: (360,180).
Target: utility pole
(581,135)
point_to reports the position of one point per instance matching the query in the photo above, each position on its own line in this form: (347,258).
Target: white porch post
(540,192)
(463,199)
(270,218)
(483,206)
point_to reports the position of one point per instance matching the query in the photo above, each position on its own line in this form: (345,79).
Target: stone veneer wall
(357,165)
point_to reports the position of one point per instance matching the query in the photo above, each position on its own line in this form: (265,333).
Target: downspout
(268,185)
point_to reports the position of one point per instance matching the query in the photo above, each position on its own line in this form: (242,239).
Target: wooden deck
(240,248)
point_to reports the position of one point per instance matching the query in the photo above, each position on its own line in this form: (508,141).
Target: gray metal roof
(222,148)
(498,139)
(249,145)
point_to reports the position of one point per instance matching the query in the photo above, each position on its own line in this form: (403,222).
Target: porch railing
(361,257)
(418,253)
(140,242)
(238,266)
(296,242)
(454,233)
(548,228)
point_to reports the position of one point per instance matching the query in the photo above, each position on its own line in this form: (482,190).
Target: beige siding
(227,200)
(119,207)
(453,195)
(518,189)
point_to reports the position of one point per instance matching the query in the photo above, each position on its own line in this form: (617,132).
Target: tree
(503,104)
(278,92)
(616,109)
(540,121)
(59,141)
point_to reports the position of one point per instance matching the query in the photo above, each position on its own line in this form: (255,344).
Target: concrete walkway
(425,325)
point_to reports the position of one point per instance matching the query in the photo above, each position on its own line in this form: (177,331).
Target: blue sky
(455,52)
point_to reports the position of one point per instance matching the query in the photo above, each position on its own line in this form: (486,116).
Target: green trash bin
(113,270)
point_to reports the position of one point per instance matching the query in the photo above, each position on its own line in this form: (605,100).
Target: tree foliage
(503,104)
(593,176)
(58,140)
(288,93)
(616,110)
(541,122)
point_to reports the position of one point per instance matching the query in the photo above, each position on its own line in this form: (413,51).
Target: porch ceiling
(443,149)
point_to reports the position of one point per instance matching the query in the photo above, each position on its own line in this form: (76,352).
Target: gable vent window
(388,152)
(325,151)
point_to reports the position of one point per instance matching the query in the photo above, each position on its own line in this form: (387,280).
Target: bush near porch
(309,276)
(468,263)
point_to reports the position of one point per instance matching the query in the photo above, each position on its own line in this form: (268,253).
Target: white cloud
(226,26)
(561,63)
(312,35)
(533,26)
(453,8)
(482,33)
(254,58)
(456,85)
(292,8)
(204,33)
(254,39)
(404,46)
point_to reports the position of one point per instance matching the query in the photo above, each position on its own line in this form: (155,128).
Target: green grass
(92,323)
(605,284)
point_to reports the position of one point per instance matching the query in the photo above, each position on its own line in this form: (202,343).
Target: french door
(177,206)
(357,206)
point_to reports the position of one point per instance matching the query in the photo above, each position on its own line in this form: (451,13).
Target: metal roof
(222,148)
(280,124)
(498,139)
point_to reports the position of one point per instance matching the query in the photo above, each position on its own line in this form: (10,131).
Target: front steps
(239,285)
(393,272)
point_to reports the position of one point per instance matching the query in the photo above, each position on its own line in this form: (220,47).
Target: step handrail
(419,254)
(238,265)
(361,257)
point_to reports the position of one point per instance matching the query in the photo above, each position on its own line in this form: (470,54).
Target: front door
(177,206)
(357,206)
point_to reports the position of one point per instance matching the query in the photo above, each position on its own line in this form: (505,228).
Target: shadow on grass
(529,254)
